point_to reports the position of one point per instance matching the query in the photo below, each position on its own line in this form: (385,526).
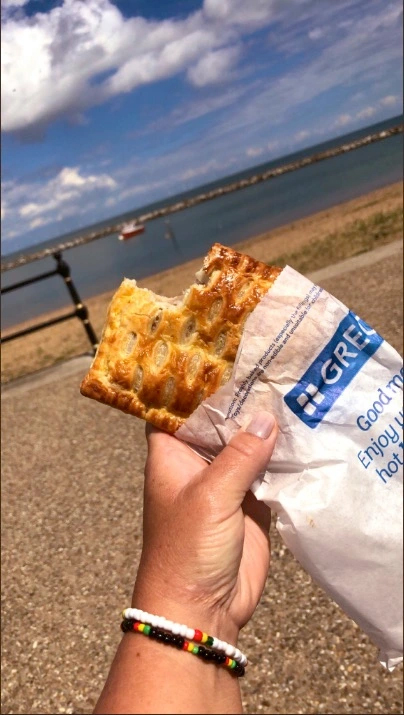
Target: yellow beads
(204,637)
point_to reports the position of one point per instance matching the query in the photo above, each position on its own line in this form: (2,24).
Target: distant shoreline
(45,347)
(228,185)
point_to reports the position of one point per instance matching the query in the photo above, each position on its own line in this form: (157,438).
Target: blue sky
(108,105)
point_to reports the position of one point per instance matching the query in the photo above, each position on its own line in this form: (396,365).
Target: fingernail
(261,425)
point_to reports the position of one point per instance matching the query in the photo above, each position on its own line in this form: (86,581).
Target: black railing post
(80,311)
(63,269)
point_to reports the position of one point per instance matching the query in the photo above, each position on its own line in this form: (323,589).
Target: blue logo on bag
(351,346)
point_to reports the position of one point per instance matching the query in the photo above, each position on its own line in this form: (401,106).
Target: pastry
(160,357)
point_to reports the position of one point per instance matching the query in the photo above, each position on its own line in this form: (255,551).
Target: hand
(206,546)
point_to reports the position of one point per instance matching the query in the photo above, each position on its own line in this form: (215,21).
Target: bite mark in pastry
(159,358)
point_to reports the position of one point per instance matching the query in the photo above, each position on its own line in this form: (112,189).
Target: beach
(307,244)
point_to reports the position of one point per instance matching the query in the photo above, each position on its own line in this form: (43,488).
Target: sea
(100,266)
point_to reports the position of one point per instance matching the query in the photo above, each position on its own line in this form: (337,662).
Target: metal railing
(62,269)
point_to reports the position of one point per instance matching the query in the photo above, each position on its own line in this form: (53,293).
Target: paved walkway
(71,532)
(362,260)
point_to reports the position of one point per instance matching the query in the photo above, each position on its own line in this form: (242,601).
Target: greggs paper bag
(335,479)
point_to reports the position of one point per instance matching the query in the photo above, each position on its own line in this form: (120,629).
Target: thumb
(247,454)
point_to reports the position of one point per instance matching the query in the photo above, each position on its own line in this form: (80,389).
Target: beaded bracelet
(190,633)
(129,624)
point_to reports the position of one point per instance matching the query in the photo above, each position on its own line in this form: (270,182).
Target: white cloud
(36,222)
(80,54)
(176,47)
(8,235)
(144,187)
(28,209)
(202,169)
(389,101)
(250,12)
(366,113)
(194,109)
(344,24)
(368,51)
(303,134)
(342,120)
(5,4)
(316,33)
(214,67)
(254,151)
(273,145)
(66,194)
(70,176)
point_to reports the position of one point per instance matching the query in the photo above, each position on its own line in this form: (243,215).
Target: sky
(108,105)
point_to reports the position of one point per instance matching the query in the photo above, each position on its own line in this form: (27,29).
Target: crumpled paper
(335,478)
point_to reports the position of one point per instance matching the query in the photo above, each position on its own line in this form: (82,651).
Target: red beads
(198,636)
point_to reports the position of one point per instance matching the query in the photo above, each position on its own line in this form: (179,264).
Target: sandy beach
(313,236)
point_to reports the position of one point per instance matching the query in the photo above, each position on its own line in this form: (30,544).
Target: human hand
(206,547)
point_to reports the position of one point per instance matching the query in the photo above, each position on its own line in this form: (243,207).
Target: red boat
(130,229)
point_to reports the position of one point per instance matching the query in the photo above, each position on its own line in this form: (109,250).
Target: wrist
(186,683)
(159,599)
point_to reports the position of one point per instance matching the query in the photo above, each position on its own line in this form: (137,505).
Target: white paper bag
(335,479)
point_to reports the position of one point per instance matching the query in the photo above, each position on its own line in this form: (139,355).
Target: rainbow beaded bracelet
(129,624)
(190,634)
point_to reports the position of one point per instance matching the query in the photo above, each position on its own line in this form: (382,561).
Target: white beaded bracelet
(190,633)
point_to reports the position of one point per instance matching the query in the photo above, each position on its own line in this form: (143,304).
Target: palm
(243,538)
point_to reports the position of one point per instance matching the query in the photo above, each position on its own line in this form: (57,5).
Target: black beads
(126,625)
(239,670)
(179,642)
(204,653)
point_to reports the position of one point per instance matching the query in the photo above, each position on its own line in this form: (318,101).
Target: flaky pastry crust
(158,357)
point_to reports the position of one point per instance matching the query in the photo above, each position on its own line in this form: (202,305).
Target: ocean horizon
(100,266)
